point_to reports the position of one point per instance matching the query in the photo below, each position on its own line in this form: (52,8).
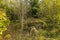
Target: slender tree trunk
(21,13)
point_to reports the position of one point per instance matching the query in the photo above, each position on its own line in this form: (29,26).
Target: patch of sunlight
(8,36)
(58,16)
(54,30)
(41,38)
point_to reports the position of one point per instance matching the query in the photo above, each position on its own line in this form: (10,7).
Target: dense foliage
(30,20)
(4,21)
